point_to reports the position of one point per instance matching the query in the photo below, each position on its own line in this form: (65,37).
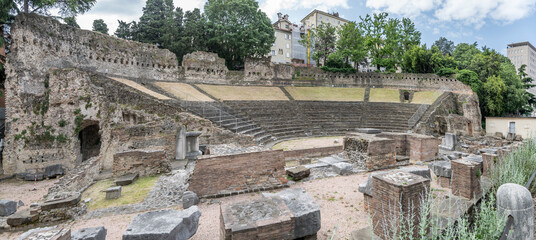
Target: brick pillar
(396,193)
(489,160)
(466,178)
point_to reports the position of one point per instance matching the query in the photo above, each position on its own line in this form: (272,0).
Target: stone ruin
(204,66)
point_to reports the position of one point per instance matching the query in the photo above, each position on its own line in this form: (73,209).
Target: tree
(463,54)
(71,21)
(155,22)
(100,26)
(323,42)
(351,44)
(238,29)
(66,7)
(124,30)
(492,94)
(373,28)
(445,46)
(470,78)
(419,59)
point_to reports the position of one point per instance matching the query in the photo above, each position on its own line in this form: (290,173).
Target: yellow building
(524,126)
(281,50)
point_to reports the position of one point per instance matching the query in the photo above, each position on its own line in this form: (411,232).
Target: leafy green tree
(124,30)
(419,59)
(155,22)
(516,97)
(445,46)
(238,29)
(194,36)
(323,42)
(100,26)
(374,29)
(66,7)
(71,21)
(351,44)
(463,54)
(492,94)
(470,78)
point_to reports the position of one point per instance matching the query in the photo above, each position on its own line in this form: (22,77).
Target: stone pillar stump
(396,193)
(466,178)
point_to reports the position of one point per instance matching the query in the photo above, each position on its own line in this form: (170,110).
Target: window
(339,22)
(280,51)
(286,26)
(288,54)
(288,45)
(273,52)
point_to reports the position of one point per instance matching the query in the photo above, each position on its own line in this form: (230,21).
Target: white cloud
(272,7)
(468,12)
(407,8)
(190,4)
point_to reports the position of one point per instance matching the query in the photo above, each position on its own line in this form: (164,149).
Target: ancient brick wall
(41,43)
(311,152)
(145,162)
(223,175)
(204,66)
(423,148)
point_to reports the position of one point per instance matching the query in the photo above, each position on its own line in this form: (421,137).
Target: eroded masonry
(88,107)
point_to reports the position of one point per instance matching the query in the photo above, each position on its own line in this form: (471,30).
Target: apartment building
(317,17)
(281,50)
(523,53)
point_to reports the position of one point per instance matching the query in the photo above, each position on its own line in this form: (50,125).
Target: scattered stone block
(316,165)
(396,193)
(7,207)
(34,177)
(423,172)
(126,179)
(489,160)
(189,199)
(61,203)
(306,212)
(369,130)
(164,224)
(113,192)
(298,173)
(265,218)
(466,178)
(54,171)
(510,136)
(47,233)
(488,150)
(342,168)
(477,159)
(22,217)
(518,138)
(192,145)
(21,203)
(499,135)
(441,168)
(448,142)
(94,233)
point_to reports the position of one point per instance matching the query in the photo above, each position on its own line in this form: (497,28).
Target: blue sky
(493,23)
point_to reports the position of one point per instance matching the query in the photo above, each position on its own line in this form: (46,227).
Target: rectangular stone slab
(265,218)
(127,179)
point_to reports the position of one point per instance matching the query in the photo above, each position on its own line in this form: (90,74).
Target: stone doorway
(90,141)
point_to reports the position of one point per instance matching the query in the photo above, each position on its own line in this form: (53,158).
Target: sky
(491,23)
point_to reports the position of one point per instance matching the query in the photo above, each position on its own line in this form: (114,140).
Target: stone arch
(90,139)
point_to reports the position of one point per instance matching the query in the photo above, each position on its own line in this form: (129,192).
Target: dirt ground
(16,190)
(341,208)
(311,142)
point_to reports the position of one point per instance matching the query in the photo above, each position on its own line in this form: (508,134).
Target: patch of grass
(244,93)
(130,194)
(425,97)
(327,94)
(384,95)
(183,91)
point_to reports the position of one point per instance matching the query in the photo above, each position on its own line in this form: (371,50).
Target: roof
(517,117)
(521,44)
(325,13)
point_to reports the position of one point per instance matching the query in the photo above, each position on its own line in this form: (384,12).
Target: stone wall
(241,173)
(41,43)
(144,162)
(204,66)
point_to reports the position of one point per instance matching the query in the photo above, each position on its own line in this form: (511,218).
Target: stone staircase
(225,117)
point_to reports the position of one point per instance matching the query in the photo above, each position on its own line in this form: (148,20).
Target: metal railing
(510,220)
